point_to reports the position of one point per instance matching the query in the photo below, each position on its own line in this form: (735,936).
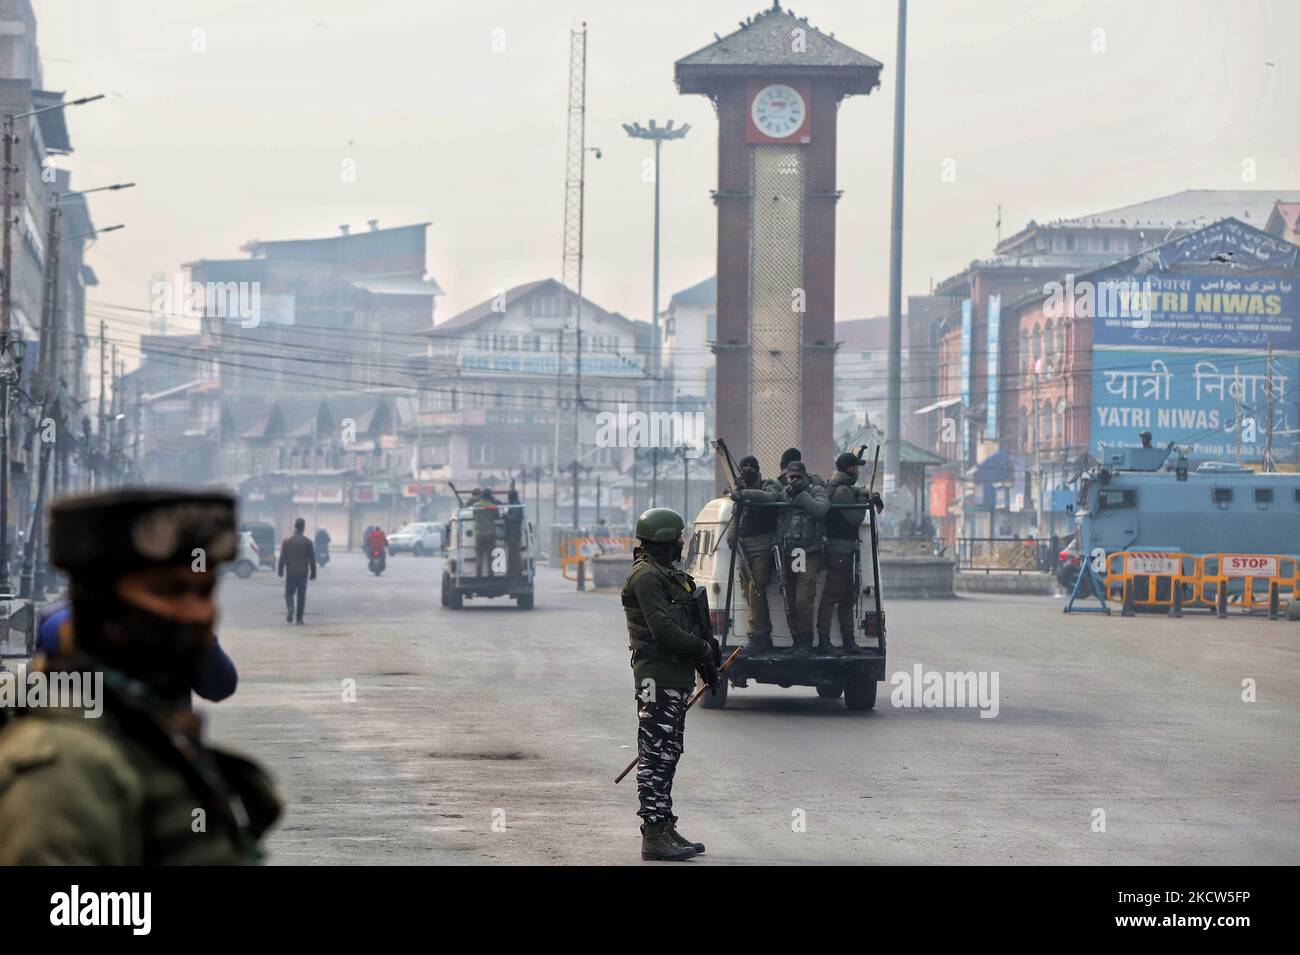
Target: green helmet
(660,525)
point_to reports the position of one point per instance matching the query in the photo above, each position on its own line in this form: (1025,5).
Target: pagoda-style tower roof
(768,43)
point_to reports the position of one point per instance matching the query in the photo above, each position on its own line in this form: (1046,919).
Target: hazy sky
(247,138)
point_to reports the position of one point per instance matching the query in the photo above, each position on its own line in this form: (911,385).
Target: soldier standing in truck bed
(752,530)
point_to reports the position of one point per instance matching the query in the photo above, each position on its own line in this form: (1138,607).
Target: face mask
(159,652)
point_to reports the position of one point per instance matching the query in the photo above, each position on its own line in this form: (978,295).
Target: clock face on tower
(779,113)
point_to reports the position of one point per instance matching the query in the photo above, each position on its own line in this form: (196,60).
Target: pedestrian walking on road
(297,560)
(668,649)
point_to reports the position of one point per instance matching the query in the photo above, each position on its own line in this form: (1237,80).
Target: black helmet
(660,525)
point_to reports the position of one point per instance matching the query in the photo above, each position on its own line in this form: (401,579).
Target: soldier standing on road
(131,786)
(842,525)
(667,652)
(800,540)
(297,559)
(753,530)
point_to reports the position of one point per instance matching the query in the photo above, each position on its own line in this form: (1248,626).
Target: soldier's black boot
(758,643)
(683,841)
(802,646)
(824,645)
(850,647)
(658,845)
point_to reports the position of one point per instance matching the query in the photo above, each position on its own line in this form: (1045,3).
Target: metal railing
(1004,555)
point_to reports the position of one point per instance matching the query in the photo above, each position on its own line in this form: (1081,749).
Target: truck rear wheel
(450,595)
(860,691)
(716,701)
(525,601)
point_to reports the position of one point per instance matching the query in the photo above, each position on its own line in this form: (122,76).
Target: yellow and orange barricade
(1151,579)
(576,551)
(1251,581)
(1147,580)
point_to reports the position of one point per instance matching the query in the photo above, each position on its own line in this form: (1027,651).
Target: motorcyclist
(377,546)
(322,546)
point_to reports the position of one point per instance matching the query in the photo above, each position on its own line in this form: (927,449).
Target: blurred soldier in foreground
(137,785)
(752,530)
(667,651)
(801,552)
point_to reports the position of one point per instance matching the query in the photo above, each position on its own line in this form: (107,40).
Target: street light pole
(657,134)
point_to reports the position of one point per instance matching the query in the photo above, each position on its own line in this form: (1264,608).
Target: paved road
(493,734)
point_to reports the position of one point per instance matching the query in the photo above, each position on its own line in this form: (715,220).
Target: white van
(708,558)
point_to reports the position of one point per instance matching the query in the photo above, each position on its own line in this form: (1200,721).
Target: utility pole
(1268,421)
(686,485)
(103,419)
(894,424)
(575,494)
(654,477)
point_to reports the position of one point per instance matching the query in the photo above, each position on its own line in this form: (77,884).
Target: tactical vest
(639,635)
(802,530)
(837,525)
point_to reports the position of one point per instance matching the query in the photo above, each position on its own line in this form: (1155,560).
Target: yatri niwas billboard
(1200,311)
(1206,401)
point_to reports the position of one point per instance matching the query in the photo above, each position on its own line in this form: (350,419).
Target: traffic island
(915,578)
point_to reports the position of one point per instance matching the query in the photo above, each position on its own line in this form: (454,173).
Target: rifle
(693,700)
(721,446)
(857,551)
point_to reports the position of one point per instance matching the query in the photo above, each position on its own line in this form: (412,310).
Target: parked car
(419,539)
(264,536)
(248,556)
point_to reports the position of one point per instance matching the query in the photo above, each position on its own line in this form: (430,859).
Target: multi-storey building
(497,394)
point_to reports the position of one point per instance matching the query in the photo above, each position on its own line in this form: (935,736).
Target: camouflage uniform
(136,786)
(485,535)
(842,526)
(800,539)
(660,742)
(658,605)
(753,531)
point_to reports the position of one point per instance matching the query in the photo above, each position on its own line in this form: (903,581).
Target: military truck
(510,569)
(856,676)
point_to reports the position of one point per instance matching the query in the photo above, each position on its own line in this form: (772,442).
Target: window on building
(1263,495)
(480,453)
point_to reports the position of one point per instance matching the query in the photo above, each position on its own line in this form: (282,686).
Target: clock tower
(776,84)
